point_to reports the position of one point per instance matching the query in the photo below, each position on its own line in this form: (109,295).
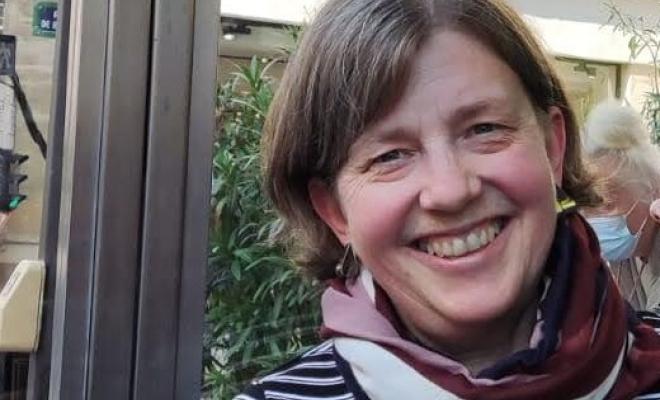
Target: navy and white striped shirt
(319,373)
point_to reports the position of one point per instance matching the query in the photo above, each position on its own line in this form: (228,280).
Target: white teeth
(491,233)
(430,248)
(447,250)
(458,246)
(473,242)
(483,237)
(437,247)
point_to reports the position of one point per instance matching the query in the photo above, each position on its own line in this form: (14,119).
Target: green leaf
(632,46)
(236,270)
(277,308)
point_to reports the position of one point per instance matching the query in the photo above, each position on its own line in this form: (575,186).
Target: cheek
(526,179)
(524,174)
(376,214)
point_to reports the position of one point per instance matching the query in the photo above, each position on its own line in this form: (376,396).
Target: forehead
(454,72)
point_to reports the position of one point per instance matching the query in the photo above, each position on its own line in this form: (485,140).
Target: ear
(328,208)
(556,142)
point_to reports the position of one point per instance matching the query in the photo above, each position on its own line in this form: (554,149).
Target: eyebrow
(383,136)
(476,108)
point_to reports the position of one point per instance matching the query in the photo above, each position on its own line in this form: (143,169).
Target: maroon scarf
(585,325)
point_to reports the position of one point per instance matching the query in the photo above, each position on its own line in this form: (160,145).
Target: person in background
(620,153)
(427,167)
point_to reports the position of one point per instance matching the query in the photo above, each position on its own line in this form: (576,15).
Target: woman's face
(449,199)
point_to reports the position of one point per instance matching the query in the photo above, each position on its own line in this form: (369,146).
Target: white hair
(617,132)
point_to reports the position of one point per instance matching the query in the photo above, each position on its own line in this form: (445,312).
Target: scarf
(587,340)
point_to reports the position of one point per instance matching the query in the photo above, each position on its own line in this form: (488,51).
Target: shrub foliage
(259,310)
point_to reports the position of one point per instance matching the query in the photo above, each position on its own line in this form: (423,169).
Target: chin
(474,312)
(484,305)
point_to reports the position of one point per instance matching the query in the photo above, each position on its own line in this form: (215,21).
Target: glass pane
(586,83)
(32,25)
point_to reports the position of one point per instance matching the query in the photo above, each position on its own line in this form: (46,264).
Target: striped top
(322,374)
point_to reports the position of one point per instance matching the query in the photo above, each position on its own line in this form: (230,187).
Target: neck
(480,345)
(501,341)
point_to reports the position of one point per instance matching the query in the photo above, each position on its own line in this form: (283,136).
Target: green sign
(44,19)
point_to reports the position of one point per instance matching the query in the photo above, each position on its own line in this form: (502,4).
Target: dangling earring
(345,269)
(563,202)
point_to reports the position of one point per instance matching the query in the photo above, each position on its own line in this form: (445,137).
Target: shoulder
(315,374)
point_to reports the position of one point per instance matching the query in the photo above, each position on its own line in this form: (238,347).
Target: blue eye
(390,156)
(484,128)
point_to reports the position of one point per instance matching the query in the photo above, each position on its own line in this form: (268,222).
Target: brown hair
(351,66)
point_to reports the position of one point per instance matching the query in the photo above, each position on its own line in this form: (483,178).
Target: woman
(416,150)
(620,153)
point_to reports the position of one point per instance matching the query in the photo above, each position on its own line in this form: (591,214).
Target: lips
(459,245)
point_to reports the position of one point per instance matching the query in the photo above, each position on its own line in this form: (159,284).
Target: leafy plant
(644,36)
(259,310)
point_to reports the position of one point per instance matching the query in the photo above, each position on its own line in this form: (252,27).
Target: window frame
(127,200)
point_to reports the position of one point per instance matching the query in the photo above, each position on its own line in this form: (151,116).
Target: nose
(448,184)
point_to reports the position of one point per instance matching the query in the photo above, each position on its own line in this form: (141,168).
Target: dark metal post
(127,202)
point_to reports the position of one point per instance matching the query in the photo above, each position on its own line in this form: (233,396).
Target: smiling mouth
(460,245)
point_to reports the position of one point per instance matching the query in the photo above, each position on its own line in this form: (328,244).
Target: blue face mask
(617,243)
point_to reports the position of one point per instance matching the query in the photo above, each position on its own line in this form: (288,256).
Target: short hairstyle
(616,134)
(350,69)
